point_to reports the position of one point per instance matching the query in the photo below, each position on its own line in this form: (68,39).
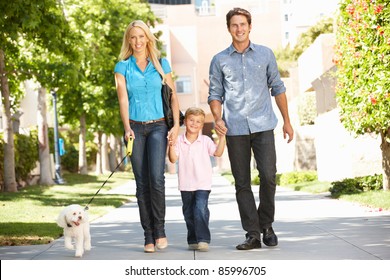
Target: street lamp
(58,179)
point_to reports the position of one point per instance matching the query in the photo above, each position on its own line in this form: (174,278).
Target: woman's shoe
(149,248)
(193,246)
(203,246)
(161,243)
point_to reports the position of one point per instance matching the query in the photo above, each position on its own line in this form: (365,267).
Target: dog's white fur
(75,222)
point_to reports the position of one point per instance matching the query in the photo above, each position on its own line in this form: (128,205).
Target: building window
(285,17)
(170,2)
(205,7)
(183,84)
(259,7)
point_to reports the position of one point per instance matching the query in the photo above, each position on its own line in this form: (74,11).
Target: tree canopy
(288,56)
(32,33)
(100,24)
(70,47)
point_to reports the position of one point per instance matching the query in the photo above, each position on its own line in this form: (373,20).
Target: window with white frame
(183,84)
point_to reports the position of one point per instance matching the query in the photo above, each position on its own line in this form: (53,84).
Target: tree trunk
(121,153)
(46,177)
(385,147)
(99,170)
(105,161)
(113,152)
(83,167)
(9,152)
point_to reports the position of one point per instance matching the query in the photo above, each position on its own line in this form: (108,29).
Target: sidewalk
(309,227)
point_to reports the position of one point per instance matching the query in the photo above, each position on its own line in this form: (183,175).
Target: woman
(139,76)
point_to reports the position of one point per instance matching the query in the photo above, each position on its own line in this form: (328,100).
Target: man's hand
(287,129)
(220,127)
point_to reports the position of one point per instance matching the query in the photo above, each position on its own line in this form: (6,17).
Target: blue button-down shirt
(244,83)
(143,89)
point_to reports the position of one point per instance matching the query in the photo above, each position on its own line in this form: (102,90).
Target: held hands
(172,135)
(220,127)
(171,142)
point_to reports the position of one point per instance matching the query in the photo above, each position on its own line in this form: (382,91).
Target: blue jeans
(196,215)
(148,163)
(254,219)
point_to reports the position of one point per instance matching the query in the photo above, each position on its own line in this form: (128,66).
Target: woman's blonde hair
(152,52)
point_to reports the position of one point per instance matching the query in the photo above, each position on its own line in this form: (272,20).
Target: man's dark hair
(238,11)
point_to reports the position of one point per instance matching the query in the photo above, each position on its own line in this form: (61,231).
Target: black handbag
(166,93)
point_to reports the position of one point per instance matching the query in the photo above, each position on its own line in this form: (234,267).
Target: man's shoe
(269,237)
(249,244)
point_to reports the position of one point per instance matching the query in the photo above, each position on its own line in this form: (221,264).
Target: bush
(356,185)
(307,110)
(70,160)
(362,54)
(297,177)
(26,156)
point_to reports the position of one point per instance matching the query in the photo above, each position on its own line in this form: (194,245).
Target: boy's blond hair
(195,111)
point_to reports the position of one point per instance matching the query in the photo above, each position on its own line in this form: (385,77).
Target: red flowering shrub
(362,56)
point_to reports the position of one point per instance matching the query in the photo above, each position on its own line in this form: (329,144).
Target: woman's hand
(129,133)
(173,133)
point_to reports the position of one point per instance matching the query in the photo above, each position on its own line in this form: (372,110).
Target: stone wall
(305,151)
(341,155)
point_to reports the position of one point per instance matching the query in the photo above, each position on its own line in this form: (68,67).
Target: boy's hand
(170,142)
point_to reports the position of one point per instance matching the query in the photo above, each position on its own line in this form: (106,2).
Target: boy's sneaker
(203,246)
(193,246)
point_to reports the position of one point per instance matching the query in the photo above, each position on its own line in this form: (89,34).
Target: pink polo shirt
(195,170)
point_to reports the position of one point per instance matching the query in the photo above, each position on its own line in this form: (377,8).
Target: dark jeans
(254,219)
(148,163)
(196,215)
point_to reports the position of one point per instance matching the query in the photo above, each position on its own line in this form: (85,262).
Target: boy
(193,150)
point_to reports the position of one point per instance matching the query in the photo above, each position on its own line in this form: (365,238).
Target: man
(243,78)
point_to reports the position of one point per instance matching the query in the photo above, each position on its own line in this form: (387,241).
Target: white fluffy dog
(74,220)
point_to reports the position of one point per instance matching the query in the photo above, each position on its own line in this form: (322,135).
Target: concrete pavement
(309,227)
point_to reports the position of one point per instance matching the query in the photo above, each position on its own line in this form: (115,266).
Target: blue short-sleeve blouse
(143,88)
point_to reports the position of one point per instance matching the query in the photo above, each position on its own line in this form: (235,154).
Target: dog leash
(129,151)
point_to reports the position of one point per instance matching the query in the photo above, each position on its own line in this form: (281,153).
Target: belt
(147,122)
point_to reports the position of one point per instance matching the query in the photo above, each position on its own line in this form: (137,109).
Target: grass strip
(28,217)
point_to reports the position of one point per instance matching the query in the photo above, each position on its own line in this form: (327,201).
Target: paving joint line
(350,243)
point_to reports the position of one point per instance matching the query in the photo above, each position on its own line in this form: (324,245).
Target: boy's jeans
(196,215)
